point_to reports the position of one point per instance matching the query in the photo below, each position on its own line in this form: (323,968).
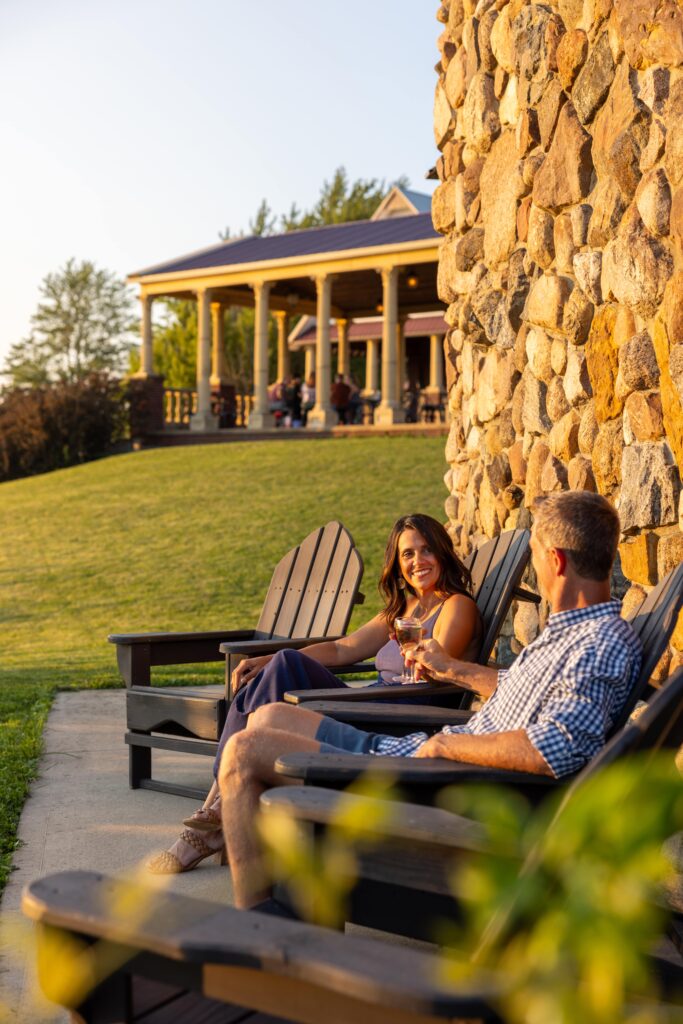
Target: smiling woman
(422,577)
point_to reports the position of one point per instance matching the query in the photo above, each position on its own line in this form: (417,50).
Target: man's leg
(246,770)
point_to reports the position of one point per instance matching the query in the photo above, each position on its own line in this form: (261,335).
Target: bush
(60,425)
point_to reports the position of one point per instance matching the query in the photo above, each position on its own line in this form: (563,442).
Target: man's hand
(431,661)
(431,747)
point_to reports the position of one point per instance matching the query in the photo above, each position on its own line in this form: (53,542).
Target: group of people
(291,399)
(548,714)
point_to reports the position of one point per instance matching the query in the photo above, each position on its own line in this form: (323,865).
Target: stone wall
(560,127)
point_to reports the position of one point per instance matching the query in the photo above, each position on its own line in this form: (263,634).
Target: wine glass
(408,635)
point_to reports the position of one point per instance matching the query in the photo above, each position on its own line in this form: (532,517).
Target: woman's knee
(271,716)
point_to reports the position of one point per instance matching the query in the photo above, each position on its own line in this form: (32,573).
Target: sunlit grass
(182,538)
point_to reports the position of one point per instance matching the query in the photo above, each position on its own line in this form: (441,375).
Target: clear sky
(135,131)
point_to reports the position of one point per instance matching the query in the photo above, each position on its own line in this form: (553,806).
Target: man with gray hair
(547,714)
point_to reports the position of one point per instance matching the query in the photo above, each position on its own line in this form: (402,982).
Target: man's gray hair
(584,525)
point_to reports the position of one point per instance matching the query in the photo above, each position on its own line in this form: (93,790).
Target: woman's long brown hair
(454,578)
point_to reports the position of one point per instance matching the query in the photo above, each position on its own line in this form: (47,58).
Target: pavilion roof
(330,238)
(417,325)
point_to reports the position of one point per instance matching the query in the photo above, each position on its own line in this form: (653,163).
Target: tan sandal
(189,850)
(206,819)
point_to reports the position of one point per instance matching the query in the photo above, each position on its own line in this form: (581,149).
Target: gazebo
(341,272)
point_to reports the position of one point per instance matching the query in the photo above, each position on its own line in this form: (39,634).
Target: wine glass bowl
(409,632)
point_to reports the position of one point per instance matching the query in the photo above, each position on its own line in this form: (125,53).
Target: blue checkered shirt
(565,689)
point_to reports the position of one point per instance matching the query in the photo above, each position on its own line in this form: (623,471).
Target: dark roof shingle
(363,234)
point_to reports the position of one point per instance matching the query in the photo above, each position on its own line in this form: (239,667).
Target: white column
(282,319)
(400,358)
(219,372)
(146,351)
(309,361)
(389,410)
(371,366)
(322,415)
(436,361)
(203,419)
(260,418)
(343,355)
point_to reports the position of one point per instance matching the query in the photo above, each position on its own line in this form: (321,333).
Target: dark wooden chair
(184,959)
(410,889)
(654,622)
(310,597)
(497,568)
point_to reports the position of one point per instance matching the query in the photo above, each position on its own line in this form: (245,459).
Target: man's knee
(237,756)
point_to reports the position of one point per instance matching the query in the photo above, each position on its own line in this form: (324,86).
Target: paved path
(81,814)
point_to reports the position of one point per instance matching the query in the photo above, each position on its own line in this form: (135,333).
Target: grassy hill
(180,538)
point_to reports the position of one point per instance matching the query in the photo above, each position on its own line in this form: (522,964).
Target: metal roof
(416,326)
(421,201)
(360,234)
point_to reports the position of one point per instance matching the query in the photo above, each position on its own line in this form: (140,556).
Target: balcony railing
(181,403)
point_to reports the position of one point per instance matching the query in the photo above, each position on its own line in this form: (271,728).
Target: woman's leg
(287,670)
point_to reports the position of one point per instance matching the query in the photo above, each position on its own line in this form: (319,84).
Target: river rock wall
(560,127)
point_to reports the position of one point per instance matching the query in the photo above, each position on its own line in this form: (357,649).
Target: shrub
(59,425)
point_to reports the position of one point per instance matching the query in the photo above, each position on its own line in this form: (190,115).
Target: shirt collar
(561,620)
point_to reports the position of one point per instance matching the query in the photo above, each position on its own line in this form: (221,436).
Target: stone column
(283,369)
(219,372)
(322,414)
(309,361)
(343,355)
(146,350)
(260,418)
(203,419)
(436,361)
(371,366)
(389,410)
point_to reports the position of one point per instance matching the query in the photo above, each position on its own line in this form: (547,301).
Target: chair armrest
(252,648)
(397,719)
(137,653)
(362,978)
(423,775)
(443,693)
(236,651)
(405,821)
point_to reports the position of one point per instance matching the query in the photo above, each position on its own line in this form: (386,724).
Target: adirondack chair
(497,568)
(310,597)
(654,622)
(410,889)
(186,959)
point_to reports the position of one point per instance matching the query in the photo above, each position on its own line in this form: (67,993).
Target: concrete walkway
(81,814)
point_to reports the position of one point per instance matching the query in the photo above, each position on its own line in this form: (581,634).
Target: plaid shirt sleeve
(570,729)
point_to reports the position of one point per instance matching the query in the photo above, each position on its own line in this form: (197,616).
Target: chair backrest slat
(343,606)
(310,589)
(320,568)
(276,593)
(506,568)
(653,623)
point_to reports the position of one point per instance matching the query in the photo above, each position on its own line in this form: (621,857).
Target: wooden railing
(181,403)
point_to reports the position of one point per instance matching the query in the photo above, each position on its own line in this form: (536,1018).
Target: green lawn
(181,538)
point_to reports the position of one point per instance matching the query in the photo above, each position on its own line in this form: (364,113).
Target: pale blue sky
(133,132)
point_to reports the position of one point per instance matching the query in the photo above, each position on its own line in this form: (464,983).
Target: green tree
(84,324)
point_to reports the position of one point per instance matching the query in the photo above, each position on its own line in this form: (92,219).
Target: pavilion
(343,272)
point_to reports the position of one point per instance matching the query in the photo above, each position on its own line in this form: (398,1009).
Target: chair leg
(139,765)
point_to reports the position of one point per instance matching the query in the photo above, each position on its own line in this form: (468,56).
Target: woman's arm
(357,646)
(457,626)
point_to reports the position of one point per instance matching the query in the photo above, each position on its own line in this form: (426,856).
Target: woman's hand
(247,670)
